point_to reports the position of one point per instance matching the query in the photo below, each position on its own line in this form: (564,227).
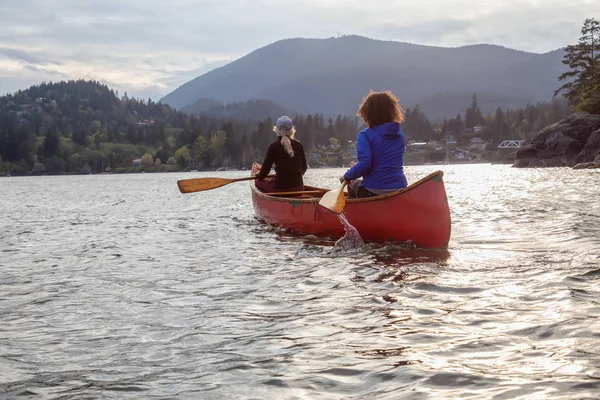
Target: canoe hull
(418,214)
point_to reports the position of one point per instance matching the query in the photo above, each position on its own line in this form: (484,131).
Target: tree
(199,148)
(78,136)
(473,115)
(583,79)
(51,143)
(455,126)
(499,128)
(182,156)
(217,143)
(147,160)
(416,126)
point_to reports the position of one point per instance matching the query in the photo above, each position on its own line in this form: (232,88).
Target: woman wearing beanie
(288,156)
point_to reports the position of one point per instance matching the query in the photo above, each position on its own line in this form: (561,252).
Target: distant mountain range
(331,76)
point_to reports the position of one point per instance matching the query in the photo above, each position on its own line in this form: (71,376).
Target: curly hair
(379,108)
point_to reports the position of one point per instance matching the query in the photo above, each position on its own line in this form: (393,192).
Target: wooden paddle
(334,200)
(296,193)
(202,184)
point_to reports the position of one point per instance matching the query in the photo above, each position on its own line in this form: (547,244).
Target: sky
(149,48)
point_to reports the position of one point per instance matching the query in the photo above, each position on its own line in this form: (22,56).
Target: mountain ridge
(327,76)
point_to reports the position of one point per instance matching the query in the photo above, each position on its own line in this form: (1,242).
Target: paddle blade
(201,184)
(334,200)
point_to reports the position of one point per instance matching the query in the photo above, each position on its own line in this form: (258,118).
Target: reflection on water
(118,286)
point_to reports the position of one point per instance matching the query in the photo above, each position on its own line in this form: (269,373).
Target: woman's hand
(342,179)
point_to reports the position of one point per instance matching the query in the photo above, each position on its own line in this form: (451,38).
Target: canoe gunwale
(418,213)
(348,200)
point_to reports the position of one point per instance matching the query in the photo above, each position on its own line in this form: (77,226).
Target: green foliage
(183,156)
(590,99)
(147,160)
(89,129)
(473,115)
(582,81)
(250,110)
(416,126)
(83,127)
(217,143)
(51,143)
(199,148)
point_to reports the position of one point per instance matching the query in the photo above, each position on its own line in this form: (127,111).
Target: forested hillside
(84,126)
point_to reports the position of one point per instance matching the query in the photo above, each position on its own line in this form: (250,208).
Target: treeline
(493,128)
(83,126)
(504,124)
(251,109)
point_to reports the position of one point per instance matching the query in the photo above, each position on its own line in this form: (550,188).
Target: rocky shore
(573,142)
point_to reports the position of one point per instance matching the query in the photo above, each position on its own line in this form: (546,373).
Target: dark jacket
(379,151)
(288,170)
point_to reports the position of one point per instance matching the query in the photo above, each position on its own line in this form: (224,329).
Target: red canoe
(418,213)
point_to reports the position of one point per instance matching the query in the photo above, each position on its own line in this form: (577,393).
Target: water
(118,286)
(351,241)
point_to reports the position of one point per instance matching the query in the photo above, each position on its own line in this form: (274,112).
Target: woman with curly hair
(379,148)
(288,156)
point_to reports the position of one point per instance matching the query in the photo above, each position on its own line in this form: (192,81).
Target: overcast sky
(150,47)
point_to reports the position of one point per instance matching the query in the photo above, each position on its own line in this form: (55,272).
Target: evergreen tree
(582,84)
(51,143)
(79,137)
(499,129)
(473,115)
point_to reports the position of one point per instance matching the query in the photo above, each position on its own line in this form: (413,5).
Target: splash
(351,239)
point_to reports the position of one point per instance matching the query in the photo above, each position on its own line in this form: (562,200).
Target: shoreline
(238,170)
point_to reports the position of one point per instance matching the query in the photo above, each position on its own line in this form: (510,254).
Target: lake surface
(118,286)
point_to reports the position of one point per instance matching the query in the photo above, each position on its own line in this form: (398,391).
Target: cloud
(153,46)
(525,25)
(426,32)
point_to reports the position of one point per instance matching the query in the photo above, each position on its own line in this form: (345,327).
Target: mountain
(250,110)
(83,126)
(331,76)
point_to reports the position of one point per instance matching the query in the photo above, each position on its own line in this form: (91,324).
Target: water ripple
(120,287)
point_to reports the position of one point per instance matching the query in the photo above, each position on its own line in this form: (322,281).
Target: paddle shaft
(296,193)
(201,184)
(248,178)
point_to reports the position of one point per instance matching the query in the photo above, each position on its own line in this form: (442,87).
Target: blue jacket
(379,151)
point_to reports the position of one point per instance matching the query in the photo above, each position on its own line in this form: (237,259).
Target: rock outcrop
(589,165)
(572,141)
